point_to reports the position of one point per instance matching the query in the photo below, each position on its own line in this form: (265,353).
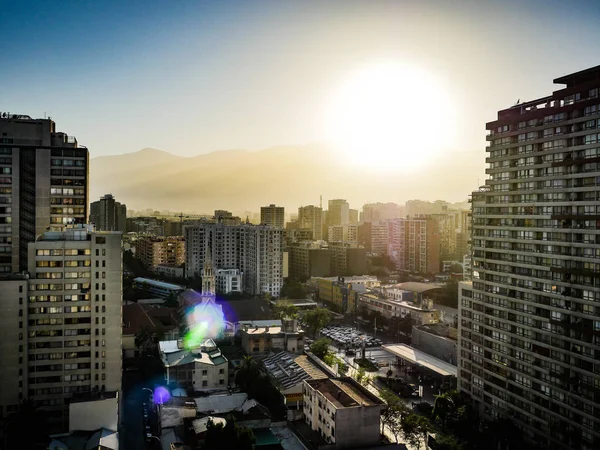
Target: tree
(415,429)
(285,309)
(317,319)
(389,374)
(27,427)
(247,373)
(292,289)
(456,268)
(443,406)
(230,435)
(360,374)
(447,442)
(320,347)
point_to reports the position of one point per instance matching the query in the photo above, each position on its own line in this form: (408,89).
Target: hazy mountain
(239,180)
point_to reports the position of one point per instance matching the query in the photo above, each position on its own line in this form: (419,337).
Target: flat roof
(160,284)
(343,393)
(290,370)
(415,286)
(422,359)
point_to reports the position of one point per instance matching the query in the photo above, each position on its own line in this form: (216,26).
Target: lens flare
(204,320)
(161,395)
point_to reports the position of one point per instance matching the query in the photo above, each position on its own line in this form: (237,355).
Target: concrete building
(379,237)
(530,322)
(73,346)
(389,307)
(414,245)
(353,216)
(311,218)
(160,250)
(446,227)
(347,259)
(200,369)
(256,251)
(343,412)
(343,292)
(107,214)
(436,340)
(377,212)
(273,216)
(228,281)
(169,271)
(158,288)
(338,212)
(43,185)
(261,340)
(343,233)
(309,259)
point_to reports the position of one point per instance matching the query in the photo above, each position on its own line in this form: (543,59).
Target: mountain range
(290,176)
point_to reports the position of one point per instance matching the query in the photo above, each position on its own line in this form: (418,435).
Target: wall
(438,346)
(92,415)
(212,377)
(357,427)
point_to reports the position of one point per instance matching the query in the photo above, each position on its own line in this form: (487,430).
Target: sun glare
(390,117)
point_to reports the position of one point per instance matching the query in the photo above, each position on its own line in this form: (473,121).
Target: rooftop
(135,319)
(160,284)
(290,370)
(419,288)
(344,392)
(583,76)
(222,404)
(173,355)
(422,359)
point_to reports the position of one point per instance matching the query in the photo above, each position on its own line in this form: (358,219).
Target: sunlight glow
(390,117)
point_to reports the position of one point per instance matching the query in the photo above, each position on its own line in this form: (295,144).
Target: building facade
(43,185)
(338,212)
(309,259)
(107,214)
(347,259)
(228,281)
(530,321)
(311,218)
(160,250)
(343,412)
(256,251)
(68,340)
(343,233)
(273,216)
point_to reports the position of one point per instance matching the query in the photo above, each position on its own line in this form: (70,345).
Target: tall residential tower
(530,322)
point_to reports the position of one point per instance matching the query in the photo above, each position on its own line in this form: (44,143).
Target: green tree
(285,309)
(26,427)
(230,435)
(447,442)
(292,289)
(443,406)
(317,319)
(456,268)
(360,374)
(320,347)
(247,373)
(415,429)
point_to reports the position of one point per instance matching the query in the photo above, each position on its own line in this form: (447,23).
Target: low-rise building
(257,340)
(343,292)
(376,301)
(200,369)
(437,340)
(343,412)
(290,371)
(157,288)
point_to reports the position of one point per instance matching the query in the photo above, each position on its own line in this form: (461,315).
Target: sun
(390,117)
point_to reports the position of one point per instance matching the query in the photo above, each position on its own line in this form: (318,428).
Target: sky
(191,77)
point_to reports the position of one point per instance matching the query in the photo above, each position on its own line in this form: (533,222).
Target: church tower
(208,276)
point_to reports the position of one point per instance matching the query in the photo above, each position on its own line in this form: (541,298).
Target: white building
(256,251)
(390,307)
(66,330)
(343,412)
(201,369)
(228,280)
(169,270)
(380,238)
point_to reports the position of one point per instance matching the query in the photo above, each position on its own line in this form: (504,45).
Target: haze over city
(199,77)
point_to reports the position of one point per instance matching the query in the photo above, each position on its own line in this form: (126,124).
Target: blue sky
(191,77)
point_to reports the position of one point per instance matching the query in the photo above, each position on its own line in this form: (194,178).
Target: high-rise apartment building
(64,322)
(338,212)
(375,212)
(343,233)
(43,185)
(311,218)
(353,216)
(446,224)
(414,245)
(160,250)
(530,323)
(107,214)
(256,251)
(273,216)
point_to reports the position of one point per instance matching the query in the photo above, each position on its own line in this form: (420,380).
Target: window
(205,383)
(221,381)
(204,372)
(221,371)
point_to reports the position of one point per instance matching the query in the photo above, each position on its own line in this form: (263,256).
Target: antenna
(321,201)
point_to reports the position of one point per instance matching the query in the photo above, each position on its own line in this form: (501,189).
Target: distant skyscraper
(338,212)
(43,185)
(273,216)
(108,215)
(374,212)
(353,216)
(529,328)
(311,218)
(66,338)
